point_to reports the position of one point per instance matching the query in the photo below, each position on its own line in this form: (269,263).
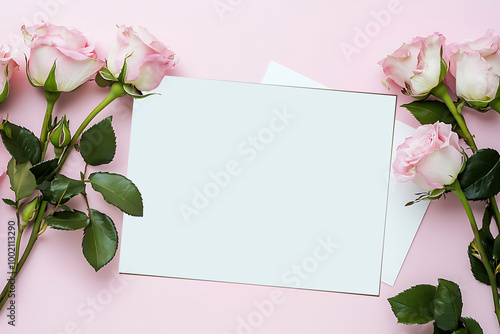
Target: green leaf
(61,189)
(487,216)
(119,191)
(100,240)
(438,330)
(64,207)
(67,220)
(21,143)
(477,267)
(481,176)
(472,326)
(496,248)
(488,242)
(460,331)
(98,144)
(430,112)
(9,202)
(447,305)
(22,181)
(43,170)
(414,305)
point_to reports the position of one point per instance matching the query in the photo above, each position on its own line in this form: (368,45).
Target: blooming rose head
(61,59)
(475,69)
(7,66)
(431,158)
(417,67)
(147,59)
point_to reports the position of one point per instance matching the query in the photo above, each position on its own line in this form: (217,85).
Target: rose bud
(417,67)
(7,66)
(148,60)
(431,158)
(61,59)
(60,135)
(30,211)
(475,69)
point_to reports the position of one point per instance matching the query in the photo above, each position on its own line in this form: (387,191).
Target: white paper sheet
(402,222)
(260,184)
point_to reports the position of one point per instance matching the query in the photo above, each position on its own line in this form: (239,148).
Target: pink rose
(7,66)
(71,51)
(431,158)
(416,67)
(475,69)
(148,59)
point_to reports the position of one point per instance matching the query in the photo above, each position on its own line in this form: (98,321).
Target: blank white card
(260,184)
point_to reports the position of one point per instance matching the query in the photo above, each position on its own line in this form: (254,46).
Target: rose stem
(51,99)
(115,92)
(441,92)
(457,190)
(29,247)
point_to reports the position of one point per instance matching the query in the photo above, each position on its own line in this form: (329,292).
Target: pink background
(58,292)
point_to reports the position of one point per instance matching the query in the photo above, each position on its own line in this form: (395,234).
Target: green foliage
(67,220)
(100,240)
(476,265)
(430,112)
(414,305)
(447,305)
(492,249)
(423,303)
(61,189)
(98,144)
(119,191)
(9,202)
(21,143)
(472,326)
(43,170)
(481,176)
(22,181)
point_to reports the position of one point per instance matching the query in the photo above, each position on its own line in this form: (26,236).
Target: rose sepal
(134,92)
(104,78)
(5,91)
(30,79)
(50,84)
(495,104)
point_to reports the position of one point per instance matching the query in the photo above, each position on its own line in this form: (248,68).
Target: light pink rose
(475,69)
(72,51)
(148,60)
(7,66)
(416,67)
(431,158)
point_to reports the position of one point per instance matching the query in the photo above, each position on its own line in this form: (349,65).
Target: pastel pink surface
(58,292)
